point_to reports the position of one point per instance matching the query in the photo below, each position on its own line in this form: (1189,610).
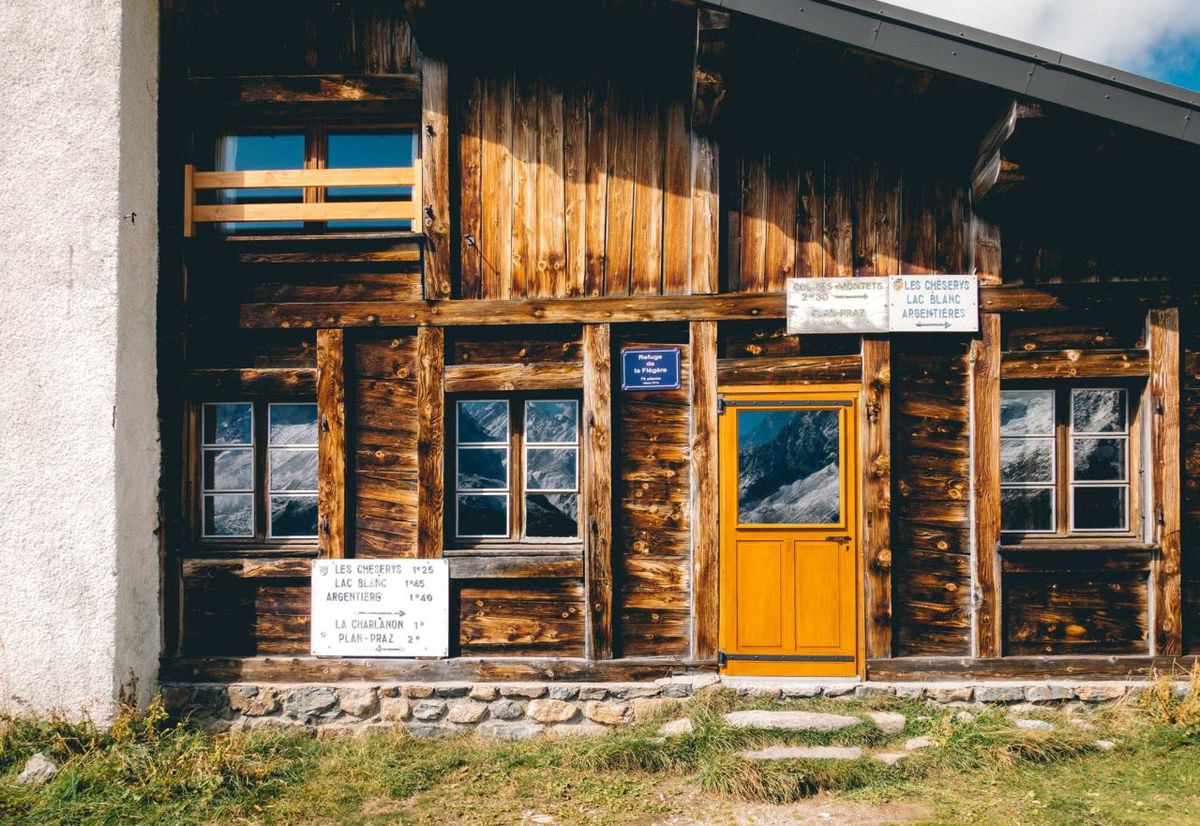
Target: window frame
(316,151)
(517,539)
(262,539)
(1064,483)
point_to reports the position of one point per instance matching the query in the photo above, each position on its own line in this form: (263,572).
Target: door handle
(838,539)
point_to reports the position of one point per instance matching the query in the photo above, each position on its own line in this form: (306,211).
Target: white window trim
(1122,485)
(1052,485)
(206,493)
(574,446)
(506,446)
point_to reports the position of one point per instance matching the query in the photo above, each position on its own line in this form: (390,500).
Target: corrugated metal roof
(1020,68)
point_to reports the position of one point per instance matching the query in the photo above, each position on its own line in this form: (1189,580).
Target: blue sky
(1156,38)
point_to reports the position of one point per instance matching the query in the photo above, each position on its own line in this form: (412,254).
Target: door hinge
(1159,516)
(721,659)
(720,405)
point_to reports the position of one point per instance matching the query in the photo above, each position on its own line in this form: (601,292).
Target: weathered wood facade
(600,175)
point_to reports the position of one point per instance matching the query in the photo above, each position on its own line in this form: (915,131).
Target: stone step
(790,720)
(805,753)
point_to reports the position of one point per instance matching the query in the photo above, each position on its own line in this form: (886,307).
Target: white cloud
(1145,36)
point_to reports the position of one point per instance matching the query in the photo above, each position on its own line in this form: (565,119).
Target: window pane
(1099,460)
(1027,413)
(483,515)
(482,468)
(229,515)
(293,516)
(237,153)
(552,514)
(229,469)
(1098,411)
(228,424)
(293,469)
(551,422)
(1099,508)
(550,468)
(788,470)
(359,150)
(483,421)
(1026,460)
(293,424)
(1027,509)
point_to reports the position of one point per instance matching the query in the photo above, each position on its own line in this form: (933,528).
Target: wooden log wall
(1190,443)
(653,533)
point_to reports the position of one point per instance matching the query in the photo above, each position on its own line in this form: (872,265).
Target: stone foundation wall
(520,710)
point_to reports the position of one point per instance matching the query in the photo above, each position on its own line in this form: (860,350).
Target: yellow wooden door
(789,533)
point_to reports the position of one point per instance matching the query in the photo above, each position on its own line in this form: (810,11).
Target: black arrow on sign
(944,325)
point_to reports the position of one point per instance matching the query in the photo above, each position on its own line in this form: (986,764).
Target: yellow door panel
(789,532)
(761,570)
(819,595)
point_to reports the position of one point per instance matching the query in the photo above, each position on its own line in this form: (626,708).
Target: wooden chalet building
(404,245)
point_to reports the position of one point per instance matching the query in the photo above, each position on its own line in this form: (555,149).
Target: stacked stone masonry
(521,710)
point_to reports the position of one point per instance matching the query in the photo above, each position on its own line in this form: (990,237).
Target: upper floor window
(1066,461)
(317,147)
(258,471)
(515,466)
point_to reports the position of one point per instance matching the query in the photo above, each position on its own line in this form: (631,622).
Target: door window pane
(788,467)
(1027,509)
(1096,508)
(552,515)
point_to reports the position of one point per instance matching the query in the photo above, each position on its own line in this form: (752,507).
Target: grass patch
(146,769)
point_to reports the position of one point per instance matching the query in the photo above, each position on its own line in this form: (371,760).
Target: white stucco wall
(79,456)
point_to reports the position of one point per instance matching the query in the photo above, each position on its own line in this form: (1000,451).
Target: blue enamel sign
(645,368)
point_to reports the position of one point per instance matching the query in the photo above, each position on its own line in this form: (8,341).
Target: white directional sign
(891,304)
(837,305)
(934,304)
(380,608)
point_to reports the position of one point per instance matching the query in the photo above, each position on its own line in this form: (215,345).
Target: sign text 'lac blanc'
(380,608)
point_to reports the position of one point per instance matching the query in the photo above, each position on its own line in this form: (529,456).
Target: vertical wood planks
(550,269)
(435,175)
(838,261)
(705,492)
(525,179)
(596,175)
(756,192)
(706,215)
(331,443)
(877,491)
(598,488)
(985,484)
(810,219)
(1165,480)
(495,234)
(622,159)
(471,163)
(431,440)
(677,206)
(646,273)
(575,145)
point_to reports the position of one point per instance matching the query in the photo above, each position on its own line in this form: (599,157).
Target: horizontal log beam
(447,313)
(805,370)
(465,378)
(312,669)
(1028,668)
(212,385)
(247,568)
(1079,297)
(517,566)
(1071,364)
(290,90)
